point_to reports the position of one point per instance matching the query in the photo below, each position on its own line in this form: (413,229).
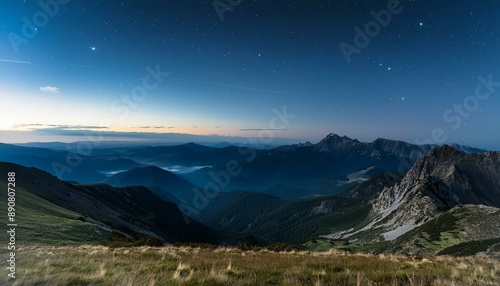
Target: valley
(339,194)
(257,143)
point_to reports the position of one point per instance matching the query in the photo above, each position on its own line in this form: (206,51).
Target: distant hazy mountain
(222,145)
(331,158)
(382,151)
(132,210)
(189,154)
(164,184)
(13,150)
(388,195)
(68,165)
(295,167)
(324,187)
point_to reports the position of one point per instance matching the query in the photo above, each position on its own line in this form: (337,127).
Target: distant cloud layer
(48,127)
(151,127)
(73,133)
(49,89)
(262,129)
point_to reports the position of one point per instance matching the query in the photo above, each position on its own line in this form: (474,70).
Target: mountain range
(383,196)
(162,183)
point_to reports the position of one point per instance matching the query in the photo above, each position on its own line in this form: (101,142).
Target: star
(93,48)
(389,69)
(421,24)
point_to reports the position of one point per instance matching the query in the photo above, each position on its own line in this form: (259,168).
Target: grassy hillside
(468,227)
(463,230)
(40,221)
(133,210)
(98,265)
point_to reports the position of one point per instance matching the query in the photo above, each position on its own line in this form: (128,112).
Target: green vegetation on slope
(460,226)
(470,247)
(134,211)
(275,220)
(40,221)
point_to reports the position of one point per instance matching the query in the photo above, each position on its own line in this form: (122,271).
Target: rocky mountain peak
(335,138)
(438,160)
(334,143)
(437,183)
(444,152)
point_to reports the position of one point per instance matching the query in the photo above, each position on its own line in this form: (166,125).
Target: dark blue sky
(416,79)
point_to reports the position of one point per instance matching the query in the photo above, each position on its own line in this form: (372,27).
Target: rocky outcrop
(435,184)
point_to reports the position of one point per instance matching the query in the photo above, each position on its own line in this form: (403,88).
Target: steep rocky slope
(436,184)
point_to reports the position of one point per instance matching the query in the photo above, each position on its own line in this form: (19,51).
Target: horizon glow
(93,60)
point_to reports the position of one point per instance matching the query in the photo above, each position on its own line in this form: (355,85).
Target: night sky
(192,67)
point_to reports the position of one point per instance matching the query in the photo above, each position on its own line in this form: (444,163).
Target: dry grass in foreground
(97,265)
